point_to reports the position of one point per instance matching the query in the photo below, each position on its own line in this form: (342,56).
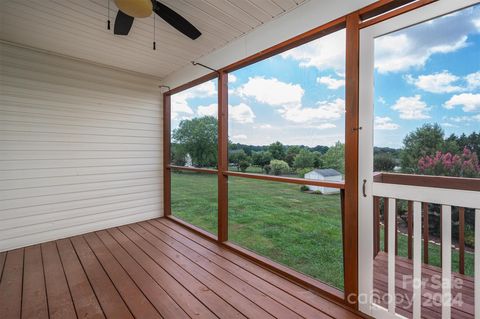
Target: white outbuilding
(327,174)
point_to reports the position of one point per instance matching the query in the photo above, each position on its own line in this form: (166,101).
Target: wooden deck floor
(462,288)
(152,269)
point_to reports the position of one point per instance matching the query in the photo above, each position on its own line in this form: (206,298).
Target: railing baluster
(441,233)
(390,203)
(461,240)
(477,264)
(385,224)
(410,227)
(417,258)
(397,202)
(425,233)
(376,225)
(447,264)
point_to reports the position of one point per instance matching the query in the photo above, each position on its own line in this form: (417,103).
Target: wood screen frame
(352,23)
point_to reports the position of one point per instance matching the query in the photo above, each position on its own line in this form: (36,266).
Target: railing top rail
(446,182)
(451,197)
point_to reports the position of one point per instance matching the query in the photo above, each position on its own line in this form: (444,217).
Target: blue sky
(423,74)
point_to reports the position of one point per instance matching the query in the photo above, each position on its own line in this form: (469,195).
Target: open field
(276,220)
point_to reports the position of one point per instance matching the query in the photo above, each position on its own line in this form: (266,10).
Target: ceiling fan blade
(176,20)
(123,23)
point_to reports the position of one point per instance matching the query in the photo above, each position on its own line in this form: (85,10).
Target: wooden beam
(222,157)
(395,12)
(192,169)
(291,180)
(167,210)
(461,183)
(350,223)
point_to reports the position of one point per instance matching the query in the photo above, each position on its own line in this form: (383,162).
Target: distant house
(327,174)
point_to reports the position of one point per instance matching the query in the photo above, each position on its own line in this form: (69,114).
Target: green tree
(317,159)
(335,157)
(178,155)
(277,150)
(383,162)
(304,159)
(239,157)
(279,167)
(198,137)
(292,152)
(261,158)
(424,141)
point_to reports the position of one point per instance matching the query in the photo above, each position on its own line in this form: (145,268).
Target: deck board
(151,269)
(60,303)
(11,285)
(34,298)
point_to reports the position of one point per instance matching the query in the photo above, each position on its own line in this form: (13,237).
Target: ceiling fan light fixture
(135,8)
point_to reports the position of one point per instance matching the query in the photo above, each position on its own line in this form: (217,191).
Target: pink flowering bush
(446,164)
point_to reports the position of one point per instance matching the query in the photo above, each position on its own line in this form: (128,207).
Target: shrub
(243,165)
(267,168)
(279,167)
(383,162)
(304,188)
(464,165)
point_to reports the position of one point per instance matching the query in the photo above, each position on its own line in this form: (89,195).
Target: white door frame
(366,121)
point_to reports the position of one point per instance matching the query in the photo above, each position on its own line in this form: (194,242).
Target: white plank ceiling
(77,28)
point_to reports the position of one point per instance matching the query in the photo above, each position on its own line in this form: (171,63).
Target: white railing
(441,196)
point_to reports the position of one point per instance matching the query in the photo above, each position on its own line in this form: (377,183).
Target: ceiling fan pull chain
(108,14)
(154,44)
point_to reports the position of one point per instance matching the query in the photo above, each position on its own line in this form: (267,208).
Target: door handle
(363,188)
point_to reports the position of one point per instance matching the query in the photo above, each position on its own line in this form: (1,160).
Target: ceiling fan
(131,9)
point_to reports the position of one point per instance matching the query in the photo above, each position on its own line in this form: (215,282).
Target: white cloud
(468,101)
(326,53)
(239,137)
(209,110)
(330,82)
(473,80)
(411,108)
(241,113)
(232,78)
(271,91)
(399,52)
(412,47)
(264,126)
(385,123)
(381,100)
(326,110)
(325,126)
(476,23)
(179,102)
(446,124)
(442,82)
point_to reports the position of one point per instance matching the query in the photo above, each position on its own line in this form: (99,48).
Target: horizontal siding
(80,148)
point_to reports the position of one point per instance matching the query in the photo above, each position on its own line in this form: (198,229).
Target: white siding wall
(80,147)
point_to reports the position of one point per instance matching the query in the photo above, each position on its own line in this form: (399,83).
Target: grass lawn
(276,220)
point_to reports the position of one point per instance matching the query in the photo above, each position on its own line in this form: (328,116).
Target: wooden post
(410,229)
(461,240)
(425,233)
(167,209)
(222,157)
(350,222)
